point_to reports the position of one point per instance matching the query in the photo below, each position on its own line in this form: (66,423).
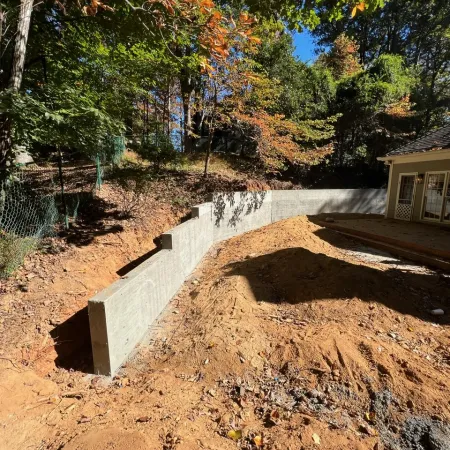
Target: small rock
(143,419)
(437,312)
(392,335)
(212,392)
(367,430)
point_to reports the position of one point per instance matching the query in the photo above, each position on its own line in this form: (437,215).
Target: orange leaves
(246,19)
(93,8)
(206,6)
(360,6)
(278,139)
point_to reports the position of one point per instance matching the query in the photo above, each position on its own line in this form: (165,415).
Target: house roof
(435,140)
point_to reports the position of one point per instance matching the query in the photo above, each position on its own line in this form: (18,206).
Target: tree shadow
(240,204)
(139,260)
(91,213)
(73,343)
(297,275)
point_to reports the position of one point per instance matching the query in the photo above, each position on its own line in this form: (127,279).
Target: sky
(304,46)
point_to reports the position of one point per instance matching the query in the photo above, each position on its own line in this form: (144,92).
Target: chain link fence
(39,198)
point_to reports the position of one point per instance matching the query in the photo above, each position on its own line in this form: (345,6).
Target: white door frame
(400,175)
(446,181)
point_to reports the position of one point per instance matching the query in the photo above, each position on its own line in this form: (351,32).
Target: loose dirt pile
(288,337)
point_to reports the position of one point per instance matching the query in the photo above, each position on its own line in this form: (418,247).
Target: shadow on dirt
(138,261)
(73,343)
(296,275)
(91,214)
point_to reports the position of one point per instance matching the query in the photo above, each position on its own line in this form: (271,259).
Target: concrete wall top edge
(115,288)
(202,209)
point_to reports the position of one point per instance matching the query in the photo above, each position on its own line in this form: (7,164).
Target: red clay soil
(288,337)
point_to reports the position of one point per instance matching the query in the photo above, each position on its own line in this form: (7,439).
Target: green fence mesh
(25,218)
(35,198)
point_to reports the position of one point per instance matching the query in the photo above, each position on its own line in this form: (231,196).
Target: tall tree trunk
(187,89)
(23,28)
(15,80)
(211,129)
(187,124)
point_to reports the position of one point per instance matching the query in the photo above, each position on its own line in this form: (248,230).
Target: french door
(436,201)
(405,196)
(446,216)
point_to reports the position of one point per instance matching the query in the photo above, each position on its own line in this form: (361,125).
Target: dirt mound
(288,337)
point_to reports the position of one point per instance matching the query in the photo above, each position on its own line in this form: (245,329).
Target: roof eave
(417,157)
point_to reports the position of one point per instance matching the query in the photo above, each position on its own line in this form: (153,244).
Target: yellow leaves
(316,439)
(360,6)
(258,441)
(370,416)
(255,40)
(235,434)
(206,67)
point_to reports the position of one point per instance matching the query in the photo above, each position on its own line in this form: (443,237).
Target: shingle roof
(431,141)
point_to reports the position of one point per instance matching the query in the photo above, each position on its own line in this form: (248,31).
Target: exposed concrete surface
(287,204)
(238,212)
(121,314)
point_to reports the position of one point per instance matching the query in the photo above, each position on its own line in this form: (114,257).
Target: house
(419,179)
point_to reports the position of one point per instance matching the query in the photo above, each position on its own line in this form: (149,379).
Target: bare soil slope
(288,337)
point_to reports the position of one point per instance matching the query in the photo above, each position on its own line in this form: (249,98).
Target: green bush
(158,149)
(13,250)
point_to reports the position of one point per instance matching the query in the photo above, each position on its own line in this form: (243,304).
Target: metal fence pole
(61,181)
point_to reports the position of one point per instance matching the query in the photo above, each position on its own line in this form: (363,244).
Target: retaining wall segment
(235,213)
(287,204)
(121,315)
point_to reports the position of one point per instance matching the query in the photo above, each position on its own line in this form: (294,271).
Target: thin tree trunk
(23,28)
(15,80)
(208,149)
(211,132)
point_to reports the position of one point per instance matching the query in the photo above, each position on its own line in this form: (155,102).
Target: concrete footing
(121,315)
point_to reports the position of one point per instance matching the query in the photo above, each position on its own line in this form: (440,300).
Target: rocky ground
(288,337)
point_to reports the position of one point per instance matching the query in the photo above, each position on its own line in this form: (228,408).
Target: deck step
(438,253)
(381,243)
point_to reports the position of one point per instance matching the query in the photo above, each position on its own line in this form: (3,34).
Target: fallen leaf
(235,434)
(316,438)
(258,440)
(84,419)
(370,416)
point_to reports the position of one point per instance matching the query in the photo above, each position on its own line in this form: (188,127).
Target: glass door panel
(434,196)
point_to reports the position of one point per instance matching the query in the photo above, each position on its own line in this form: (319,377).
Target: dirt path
(289,337)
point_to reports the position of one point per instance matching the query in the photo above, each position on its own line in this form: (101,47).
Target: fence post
(61,181)
(99,173)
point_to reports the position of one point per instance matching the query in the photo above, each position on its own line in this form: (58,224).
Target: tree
(417,30)
(342,59)
(367,103)
(15,80)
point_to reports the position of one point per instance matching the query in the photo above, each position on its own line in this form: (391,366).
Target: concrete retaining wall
(287,204)
(120,315)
